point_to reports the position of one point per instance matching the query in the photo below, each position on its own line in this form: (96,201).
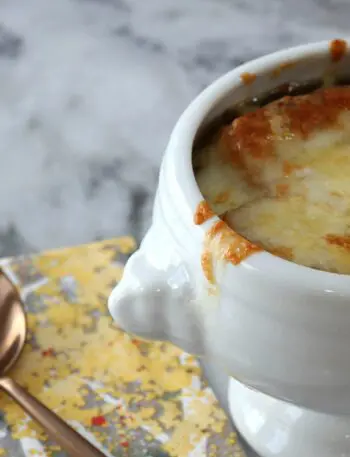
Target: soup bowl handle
(155,298)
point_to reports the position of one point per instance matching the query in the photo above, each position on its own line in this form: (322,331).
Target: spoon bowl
(13,325)
(13,330)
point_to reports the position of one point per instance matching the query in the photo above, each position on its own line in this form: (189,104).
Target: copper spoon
(13,330)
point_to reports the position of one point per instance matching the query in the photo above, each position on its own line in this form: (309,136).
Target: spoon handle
(56,428)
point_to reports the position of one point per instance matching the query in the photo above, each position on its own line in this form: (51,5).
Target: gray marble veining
(90,90)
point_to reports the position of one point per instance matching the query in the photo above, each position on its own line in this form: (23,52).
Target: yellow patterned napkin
(129,397)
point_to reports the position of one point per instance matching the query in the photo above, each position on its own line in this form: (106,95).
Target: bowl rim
(182,138)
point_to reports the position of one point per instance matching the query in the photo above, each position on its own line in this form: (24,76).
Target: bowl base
(273,427)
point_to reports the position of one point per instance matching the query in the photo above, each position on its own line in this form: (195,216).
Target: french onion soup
(278,176)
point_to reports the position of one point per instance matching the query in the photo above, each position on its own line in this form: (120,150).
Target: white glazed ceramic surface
(278,327)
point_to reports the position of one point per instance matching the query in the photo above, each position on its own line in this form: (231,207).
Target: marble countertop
(90,90)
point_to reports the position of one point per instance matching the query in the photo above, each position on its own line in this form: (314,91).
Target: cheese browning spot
(240,250)
(203,213)
(207,266)
(282,190)
(248,78)
(337,49)
(224,244)
(252,135)
(215,229)
(338,240)
(289,168)
(276,72)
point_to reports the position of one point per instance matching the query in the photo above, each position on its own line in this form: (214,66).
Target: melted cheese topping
(280,176)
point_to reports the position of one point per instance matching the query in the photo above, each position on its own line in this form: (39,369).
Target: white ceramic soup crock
(279,328)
